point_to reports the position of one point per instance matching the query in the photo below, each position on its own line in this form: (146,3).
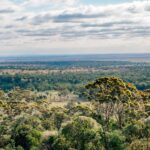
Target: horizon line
(73,54)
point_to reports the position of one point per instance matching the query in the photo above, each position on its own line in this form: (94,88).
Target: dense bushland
(115,116)
(72,80)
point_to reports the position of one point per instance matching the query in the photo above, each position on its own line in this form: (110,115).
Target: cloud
(66,17)
(21,18)
(36,33)
(7,10)
(123,20)
(42,3)
(69,20)
(40,19)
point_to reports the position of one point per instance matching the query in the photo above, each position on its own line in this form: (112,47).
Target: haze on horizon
(74,26)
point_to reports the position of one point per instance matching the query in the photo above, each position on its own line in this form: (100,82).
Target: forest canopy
(115,116)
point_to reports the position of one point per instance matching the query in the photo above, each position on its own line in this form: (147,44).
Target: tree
(82,131)
(133,131)
(59,117)
(111,95)
(116,140)
(146,132)
(61,143)
(26,136)
(111,89)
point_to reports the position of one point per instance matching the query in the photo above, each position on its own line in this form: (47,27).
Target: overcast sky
(74,26)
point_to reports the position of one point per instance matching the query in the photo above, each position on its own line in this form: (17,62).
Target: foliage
(80,133)
(109,89)
(116,119)
(26,136)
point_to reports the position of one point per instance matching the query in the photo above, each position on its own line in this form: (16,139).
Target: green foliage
(109,89)
(72,80)
(26,136)
(48,124)
(81,110)
(116,119)
(116,140)
(61,143)
(81,132)
(139,145)
(19,148)
(133,131)
(59,117)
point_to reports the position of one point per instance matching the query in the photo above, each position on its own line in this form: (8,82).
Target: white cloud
(41,3)
(25,24)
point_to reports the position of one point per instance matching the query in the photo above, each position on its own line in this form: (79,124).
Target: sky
(74,26)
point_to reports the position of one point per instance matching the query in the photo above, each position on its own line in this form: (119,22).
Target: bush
(116,140)
(82,131)
(26,136)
